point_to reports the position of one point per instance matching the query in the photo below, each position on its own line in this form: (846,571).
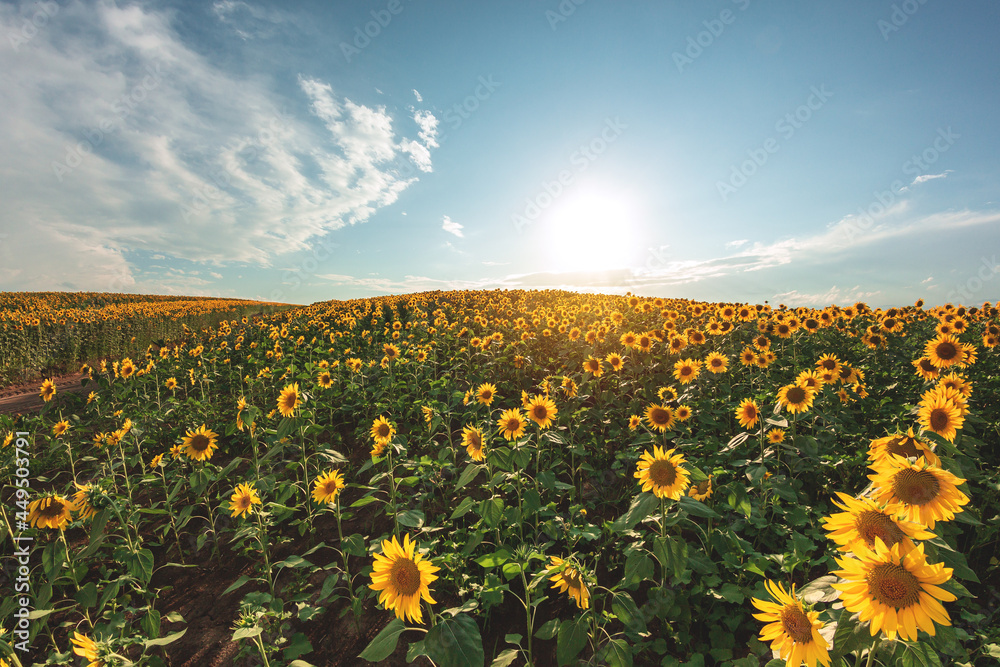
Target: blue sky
(731,150)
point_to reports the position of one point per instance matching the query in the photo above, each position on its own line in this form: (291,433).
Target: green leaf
(469,474)
(697,508)
(354,545)
(505,658)
(163,641)
(642,505)
(236,584)
(548,630)
(494,559)
(638,568)
(571,639)
(820,590)
(297,645)
(491,511)
(140,565)
(625,608)
(87,595)
(919,654)
(616,653)
(455,642)
(384,643)
(850,636)
(411,518)
(246,633)
(96,533)
(294,561)
(364,500)
(463,508)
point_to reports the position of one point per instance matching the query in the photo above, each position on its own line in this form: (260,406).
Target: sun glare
(591,232)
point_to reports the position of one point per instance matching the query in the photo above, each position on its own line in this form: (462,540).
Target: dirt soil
(23,398)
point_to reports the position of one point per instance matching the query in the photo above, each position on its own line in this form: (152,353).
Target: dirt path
(23,398)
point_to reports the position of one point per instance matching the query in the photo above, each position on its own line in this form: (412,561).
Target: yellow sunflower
(792,631)
(941,414)
(87,648)
(403,577)
(615,360)
(775,435)
(199,444)
(906,446)
(593,366)
(382,431)
(683,413)
(289,400)
(157,460)
(328,486)
(748,412)
(472,439)
(52,511)
(945,351)
(569,580)
(796,398)
(171,383)
(686,370)
(701,490)
(633,422)
(511,424)
(925,368)
(485,393)
(895,589)
(324,379)
(243,500)
(661,473)
(660,417)
(541,410)
(863,520)
(81,501)
(48,390)
(60,427)
(926,493)
(716,362)
(828,362)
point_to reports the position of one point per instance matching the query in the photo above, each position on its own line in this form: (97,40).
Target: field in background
(572,478)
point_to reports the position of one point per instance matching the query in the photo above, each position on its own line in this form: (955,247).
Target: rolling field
(502,478)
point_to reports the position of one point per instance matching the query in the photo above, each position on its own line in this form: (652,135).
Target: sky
(804,153)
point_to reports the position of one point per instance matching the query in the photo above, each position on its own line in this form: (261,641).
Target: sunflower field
(42,331)
(502,478)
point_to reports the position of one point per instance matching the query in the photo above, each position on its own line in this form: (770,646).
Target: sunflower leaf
(384,643)
(642,505)
(456,642)
(571,639)
(469,474)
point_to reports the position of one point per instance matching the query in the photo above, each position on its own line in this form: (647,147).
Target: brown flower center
(405,576)
(893,585)
(829,364)
(915,487)
(383,430)
(946,351)
(199,442)
(540,412)
(53,509)
(795,395)
(796,624)
(659,416)
(903,446)
(871,524)
(663,473)
(512,425)
(940,419)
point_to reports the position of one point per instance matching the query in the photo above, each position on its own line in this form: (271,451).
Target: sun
(590,230)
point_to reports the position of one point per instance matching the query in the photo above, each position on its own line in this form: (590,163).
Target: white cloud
(834,295)
(737,244)
(417,95)
(452,227)
(929,177)
(117,136)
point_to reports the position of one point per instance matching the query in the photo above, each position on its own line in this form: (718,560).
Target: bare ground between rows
(23,397)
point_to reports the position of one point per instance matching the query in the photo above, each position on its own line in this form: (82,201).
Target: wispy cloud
(930,177)
(452,227)
(737,243)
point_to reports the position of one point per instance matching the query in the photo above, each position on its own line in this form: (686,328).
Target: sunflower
(661,473)
(792,631)
(828,362)
(682,413)
(50,512)
(157,460)
(748,357)
(403,577)
(906,446)
(633,422)
(628,339)
(686,370)
(796,398)
(541,410)
(472,439)
(569,580)
(660,417)
(81,501)
(956,382)
(87,648)
(324,379)
(569,386)
(511,424)
(382,431)
(895,589)
(60,427)
(945,351)
(701,490)
(926,493)
(127,368)
(593,366)
(667,394)
(863,521)
(811,379)
(328,487)
(243,500)
(940,414)
(171,383)
(428,413)
(748,412)
(199,445)
(390,350)
(48,391)
(615,360)
(289,400)
(716,362)
(485,393)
